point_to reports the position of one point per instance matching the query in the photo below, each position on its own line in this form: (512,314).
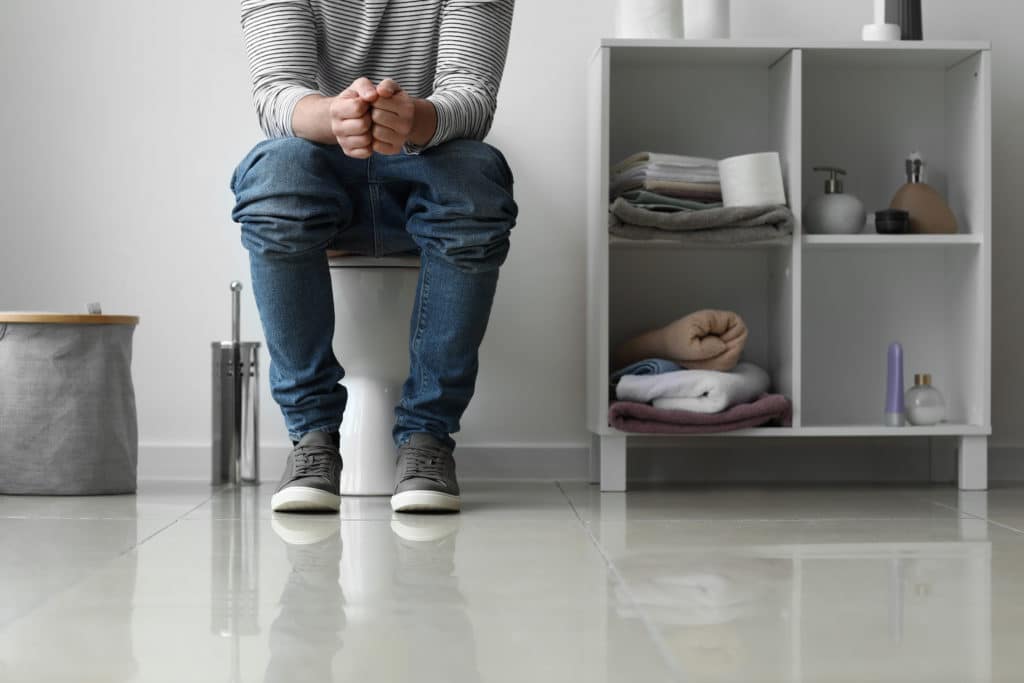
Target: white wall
(122,121)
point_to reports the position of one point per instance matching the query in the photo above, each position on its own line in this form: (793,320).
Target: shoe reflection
(305,636)
(392,597)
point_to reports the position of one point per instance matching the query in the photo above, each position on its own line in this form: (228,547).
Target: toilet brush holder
(236,394)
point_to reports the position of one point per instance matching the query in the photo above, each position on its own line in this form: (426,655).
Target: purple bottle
(894,410)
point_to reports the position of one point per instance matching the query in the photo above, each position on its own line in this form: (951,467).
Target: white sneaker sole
(303,499)
(425,501)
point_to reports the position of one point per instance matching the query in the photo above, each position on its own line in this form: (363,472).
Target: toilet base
(367,446)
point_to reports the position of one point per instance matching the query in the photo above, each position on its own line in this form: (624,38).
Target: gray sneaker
(425,478)
(312,477)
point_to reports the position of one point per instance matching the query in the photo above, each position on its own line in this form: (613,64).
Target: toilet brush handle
(236,305)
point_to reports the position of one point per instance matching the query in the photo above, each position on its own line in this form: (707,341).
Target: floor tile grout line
(772,520)
(213,493)
(652,632)
(106,564)
(989,520)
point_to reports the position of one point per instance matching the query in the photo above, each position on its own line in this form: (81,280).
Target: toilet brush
(235,414)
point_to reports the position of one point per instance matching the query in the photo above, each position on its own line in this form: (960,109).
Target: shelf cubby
(868,111)
(651,289)
(864,300)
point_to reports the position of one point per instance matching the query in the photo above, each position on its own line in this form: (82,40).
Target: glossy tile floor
(533,582)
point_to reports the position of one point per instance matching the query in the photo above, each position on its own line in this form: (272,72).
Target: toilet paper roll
(649,19)
(752,180)
(706,19)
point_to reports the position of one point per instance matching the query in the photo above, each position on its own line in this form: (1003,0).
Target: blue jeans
(453,204)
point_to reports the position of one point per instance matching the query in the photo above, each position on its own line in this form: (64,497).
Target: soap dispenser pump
(834,213)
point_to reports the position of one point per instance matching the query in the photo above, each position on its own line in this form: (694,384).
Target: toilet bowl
(373,300)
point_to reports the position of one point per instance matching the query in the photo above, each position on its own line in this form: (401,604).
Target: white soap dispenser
(834,213)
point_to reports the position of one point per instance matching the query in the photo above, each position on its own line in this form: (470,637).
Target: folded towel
(654,159)
(696,391)
(687,221)
(705,340)
(708,191)
(651,366)
(653,201)
(722,236)
(641,418)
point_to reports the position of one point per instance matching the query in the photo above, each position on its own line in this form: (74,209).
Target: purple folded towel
(646,419)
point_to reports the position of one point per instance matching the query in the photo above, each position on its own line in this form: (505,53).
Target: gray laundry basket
(67,405)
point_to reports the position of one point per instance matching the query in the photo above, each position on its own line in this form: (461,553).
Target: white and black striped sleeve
(280,39)
(472,47)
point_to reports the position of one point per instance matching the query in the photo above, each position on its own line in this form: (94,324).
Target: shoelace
(423,464)
(314,462)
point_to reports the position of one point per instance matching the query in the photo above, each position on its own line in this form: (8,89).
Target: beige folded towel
(705,340)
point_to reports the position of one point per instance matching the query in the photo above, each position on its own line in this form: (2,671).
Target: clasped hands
(368,118)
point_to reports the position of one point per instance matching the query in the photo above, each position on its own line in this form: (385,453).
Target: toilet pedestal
(366,444)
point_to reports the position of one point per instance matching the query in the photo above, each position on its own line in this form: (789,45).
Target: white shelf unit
(821,310)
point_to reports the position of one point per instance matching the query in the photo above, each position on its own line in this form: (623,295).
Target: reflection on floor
(533,582)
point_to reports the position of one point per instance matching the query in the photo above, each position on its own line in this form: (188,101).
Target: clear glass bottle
(925,405)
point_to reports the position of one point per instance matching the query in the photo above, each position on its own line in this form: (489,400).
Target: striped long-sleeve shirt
(451,52)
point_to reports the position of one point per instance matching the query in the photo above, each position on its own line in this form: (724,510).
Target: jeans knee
(285,200)
(274,160)
(479,159)
(472,246)
(466,212)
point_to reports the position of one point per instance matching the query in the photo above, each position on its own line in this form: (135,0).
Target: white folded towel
(698,391)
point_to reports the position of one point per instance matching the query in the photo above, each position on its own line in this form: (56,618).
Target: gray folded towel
(726,225)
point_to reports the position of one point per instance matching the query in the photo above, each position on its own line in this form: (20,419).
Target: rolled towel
(705,340)
(696,391)
(644,419)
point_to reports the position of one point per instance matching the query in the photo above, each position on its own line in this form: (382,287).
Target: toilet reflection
(370,600)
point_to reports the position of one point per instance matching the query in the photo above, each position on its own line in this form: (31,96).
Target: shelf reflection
(793,612)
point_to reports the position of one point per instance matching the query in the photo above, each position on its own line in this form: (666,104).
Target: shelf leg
(973,469)
(612,450)
(595,459)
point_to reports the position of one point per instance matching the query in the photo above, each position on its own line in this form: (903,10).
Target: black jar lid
(892,215)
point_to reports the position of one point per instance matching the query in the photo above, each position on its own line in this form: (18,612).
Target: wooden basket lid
(68,318)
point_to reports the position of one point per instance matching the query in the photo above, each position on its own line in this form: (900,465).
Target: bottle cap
(923,380)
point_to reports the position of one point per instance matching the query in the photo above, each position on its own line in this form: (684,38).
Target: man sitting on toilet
(375,112)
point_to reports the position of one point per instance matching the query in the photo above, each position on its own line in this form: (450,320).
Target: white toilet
(373,300)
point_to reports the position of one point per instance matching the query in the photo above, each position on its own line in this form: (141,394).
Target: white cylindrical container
(706,19)
(752,180)
(880,31)
(656,19)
